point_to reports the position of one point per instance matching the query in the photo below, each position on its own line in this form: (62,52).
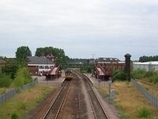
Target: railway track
(70,102)
(56,106)
(97,107)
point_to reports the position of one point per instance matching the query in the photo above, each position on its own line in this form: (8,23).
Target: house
(38,65)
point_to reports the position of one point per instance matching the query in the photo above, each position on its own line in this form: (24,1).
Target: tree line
(148,58)
(24,51)
(15,71)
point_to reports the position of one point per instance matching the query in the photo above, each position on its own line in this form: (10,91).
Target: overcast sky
(82,28)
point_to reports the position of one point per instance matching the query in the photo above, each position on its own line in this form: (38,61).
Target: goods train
(68,75)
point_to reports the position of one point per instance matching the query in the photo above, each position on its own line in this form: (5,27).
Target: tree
(22,77)
(22,53)
(10,68)
(59,54)
(148,58)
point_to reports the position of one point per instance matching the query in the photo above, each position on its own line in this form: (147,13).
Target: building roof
(39,60)
(150,62)
(108,60)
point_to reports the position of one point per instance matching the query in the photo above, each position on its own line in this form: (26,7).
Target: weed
(38,100)
(14,116)
(1,114)
(144,112)
(139,73)
(154,79)
(22,106)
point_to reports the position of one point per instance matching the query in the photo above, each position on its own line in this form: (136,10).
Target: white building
(41,64)
(148,66)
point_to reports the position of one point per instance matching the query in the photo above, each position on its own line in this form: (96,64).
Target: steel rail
(63,92)
(97,106)
(92,97)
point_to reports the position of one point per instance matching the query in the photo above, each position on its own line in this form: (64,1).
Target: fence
(150,97)
(6,96)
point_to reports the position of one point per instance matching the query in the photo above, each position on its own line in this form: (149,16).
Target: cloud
(80,27)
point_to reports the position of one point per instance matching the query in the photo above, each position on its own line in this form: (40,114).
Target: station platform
(58,81)
(52,83)
(96,82)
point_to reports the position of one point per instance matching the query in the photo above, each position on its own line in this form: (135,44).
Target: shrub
(10,69)
(119,75)
(5,81)
(144,112)
(139,73)
(22,106)
(153,79)
(22,77)
(14,116)
(149,74)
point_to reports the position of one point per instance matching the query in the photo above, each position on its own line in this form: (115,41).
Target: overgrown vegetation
(19,106)
(151,76)
(86,69)
(10,68)
(22,77)
(144,112)
(14,75)
(130,103)
(139,73)
(119,75)
(5,80)
(14,115)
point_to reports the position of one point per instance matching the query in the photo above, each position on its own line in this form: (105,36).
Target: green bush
(144,112)
(22,77)
(139,73)
(119,75)
(22,106)
(149,74)
(153,79)
(5,81)
(14,116)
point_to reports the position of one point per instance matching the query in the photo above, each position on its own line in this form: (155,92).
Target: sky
(82,28)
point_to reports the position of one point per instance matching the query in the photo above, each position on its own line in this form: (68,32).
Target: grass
(144,112)
(4,90)
(131,103)
(19,106)
(151,88)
